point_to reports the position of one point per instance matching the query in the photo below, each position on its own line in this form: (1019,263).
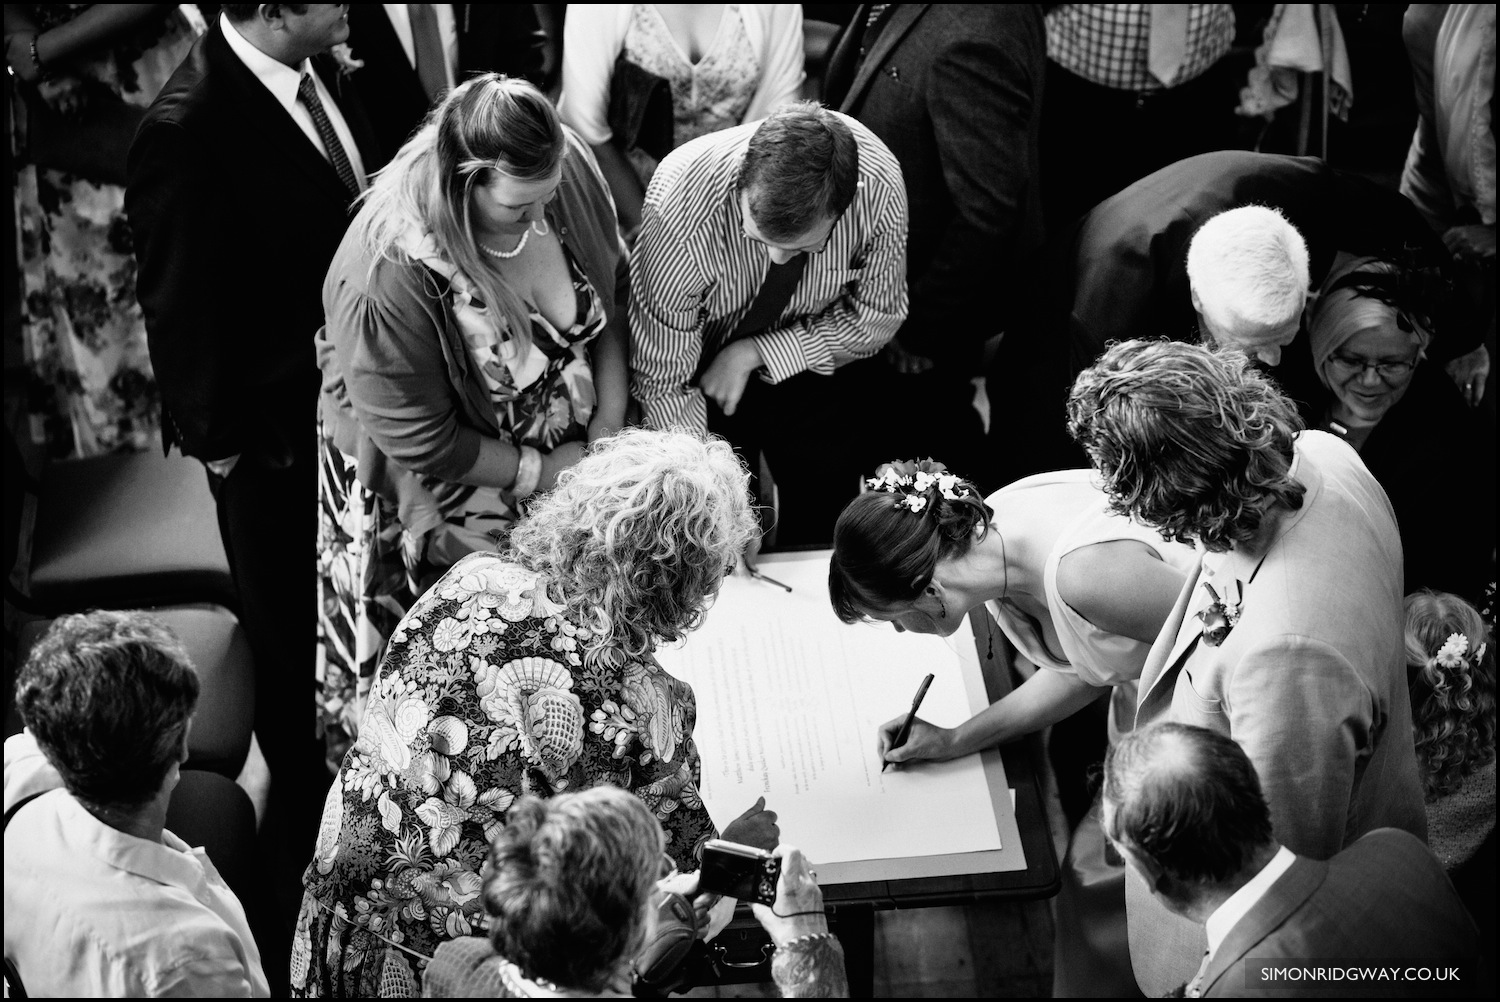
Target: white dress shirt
(447,30)
(91,912)
(1238,904)
(282,81)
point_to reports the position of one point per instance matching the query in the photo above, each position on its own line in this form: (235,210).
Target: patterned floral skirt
(90,389)
(370,571)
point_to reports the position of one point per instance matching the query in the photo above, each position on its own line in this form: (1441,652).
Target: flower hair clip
(1455,649)
(913,481)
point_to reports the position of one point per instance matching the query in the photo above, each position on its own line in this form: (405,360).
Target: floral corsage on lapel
(1221,615)
(343,58)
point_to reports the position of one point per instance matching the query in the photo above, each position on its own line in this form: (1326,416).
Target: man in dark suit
(1184,806)
(1126,272)
(954,90)
(411,54)
(240,184)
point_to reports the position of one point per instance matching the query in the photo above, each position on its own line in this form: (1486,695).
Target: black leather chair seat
(134,530)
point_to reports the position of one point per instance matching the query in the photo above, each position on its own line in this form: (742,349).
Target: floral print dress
(90,389)
(370,567)
(488,691)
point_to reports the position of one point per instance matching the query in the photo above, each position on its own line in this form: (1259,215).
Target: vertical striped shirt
(695,272)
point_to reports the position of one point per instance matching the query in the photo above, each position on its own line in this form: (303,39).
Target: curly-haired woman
(1451,659)
(1288,636)
(1080,590)
(527,671)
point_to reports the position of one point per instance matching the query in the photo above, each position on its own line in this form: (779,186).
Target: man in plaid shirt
(1131,87)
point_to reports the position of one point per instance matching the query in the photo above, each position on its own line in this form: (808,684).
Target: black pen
(754,573)
(905,731)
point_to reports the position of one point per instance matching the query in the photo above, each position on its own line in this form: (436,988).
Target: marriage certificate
(789,702)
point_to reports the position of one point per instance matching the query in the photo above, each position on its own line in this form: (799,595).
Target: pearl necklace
(540,231)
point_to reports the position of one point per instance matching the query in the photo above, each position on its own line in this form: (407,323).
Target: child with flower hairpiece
(1451,663)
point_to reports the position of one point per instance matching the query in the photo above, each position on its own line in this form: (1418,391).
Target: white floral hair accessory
(914,481)
(1452,653)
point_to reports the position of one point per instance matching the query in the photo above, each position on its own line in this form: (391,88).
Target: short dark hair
(1186,798)
(1193,442)
(239,13)
(570,882)
(884,554)
(801,167)
(108,697)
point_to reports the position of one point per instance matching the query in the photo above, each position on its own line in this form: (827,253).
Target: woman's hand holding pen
(926,742)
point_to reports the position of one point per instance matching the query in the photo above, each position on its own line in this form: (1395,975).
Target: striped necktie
(308,95)
(872,26)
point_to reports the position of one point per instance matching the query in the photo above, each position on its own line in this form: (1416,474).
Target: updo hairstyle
(888,541)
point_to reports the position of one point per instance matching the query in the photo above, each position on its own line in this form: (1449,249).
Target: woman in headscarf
(1370,330)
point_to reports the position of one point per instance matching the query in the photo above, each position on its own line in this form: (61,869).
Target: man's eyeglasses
(1389,369)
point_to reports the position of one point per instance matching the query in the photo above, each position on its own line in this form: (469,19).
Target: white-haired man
(1248,278)
(1224,247)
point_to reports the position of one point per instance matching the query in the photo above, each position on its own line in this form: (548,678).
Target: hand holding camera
(798,907)
(739,871)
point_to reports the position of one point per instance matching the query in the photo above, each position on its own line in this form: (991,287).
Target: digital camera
(739,871)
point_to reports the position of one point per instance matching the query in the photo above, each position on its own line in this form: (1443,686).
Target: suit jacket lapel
(261,111)
(901,20)
(378,36)
(1182,629)
(1290,891)
(352,109)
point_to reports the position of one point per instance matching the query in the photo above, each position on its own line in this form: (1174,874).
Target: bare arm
(95,26)
(609,354)
(1121,586)
(1042,700)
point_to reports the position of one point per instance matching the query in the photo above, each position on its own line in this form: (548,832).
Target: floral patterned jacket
(485,693)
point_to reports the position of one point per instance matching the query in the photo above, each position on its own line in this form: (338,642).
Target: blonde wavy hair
(635,539)
(1453,708)
(488,125)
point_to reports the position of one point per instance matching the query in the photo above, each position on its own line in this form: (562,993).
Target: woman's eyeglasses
(1389,369)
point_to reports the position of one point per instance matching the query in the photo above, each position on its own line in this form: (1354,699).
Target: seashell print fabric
(486,692)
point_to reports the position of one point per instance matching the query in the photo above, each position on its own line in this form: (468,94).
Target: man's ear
(1197,303)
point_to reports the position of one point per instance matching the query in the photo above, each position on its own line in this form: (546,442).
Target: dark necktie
(874,22)
(776,291)
(308,95)
(427,44)
(861,33)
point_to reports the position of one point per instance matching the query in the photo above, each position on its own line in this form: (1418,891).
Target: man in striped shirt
(770,255)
